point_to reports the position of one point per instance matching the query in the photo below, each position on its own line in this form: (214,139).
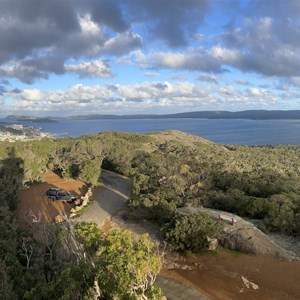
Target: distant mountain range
(246,114)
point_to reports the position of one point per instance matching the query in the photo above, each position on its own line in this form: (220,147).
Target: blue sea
(241,132)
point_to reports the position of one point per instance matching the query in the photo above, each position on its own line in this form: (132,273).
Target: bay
(237,131)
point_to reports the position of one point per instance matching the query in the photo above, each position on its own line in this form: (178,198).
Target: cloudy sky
(66,57)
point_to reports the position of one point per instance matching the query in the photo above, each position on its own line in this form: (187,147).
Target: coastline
(18,132)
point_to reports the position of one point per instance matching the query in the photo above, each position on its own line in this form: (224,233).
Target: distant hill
(246,114)
(31,119)
(97,117)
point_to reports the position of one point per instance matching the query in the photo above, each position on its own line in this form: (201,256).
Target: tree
(6,287)
(127,268)
(188,232)
(280,216)
(90,235)
(90,171)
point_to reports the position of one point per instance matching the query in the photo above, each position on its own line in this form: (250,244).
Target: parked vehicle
(62,195)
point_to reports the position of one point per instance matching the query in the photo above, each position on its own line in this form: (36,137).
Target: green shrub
(189,232)
(89,235)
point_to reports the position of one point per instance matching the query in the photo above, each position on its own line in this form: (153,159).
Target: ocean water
(241,132)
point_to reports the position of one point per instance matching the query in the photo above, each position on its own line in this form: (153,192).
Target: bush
(90,171)
(89,235)
(281,216)
(188,232)
(127,268)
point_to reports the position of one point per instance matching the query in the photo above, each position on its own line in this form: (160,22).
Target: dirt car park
(35,203)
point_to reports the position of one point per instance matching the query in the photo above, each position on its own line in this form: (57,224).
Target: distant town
(17,132)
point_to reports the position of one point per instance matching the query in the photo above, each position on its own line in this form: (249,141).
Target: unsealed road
(108,198)
(111,196)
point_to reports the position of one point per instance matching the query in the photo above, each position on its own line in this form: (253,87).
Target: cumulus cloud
(171,21)
(30,68)
(57,31)
(96,68)
(87,38)
(110,98)
(265,46)
(194,59)
(38,37)
(122,43)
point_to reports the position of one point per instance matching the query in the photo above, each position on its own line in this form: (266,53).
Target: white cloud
(95,68)
(255,92)
(195,59)
(122,43)
(110,98)
(88,26)
(32,95)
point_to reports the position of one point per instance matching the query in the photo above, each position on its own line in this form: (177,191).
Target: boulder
(59,219)
(212,244)
(89,193)
(171,265)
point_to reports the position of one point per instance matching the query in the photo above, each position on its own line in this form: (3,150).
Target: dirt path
(239,276)
(33,198)
(175,290)
(109,197)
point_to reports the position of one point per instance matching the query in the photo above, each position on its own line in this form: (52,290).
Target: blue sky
(148,56)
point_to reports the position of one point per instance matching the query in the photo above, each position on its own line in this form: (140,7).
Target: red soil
(220,277)
(33,198)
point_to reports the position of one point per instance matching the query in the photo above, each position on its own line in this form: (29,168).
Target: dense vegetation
(257,182)
(166,173)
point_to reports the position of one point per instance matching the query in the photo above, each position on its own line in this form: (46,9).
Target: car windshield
(51,192)
(62,193)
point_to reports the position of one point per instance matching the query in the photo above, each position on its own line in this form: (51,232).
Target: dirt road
(109,197)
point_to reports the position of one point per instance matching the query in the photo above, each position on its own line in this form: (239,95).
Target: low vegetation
(189,232)
(167,172)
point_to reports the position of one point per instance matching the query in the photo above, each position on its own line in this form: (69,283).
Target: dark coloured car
(51,194)
(59,194)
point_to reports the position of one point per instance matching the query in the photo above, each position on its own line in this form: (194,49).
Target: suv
(58,194)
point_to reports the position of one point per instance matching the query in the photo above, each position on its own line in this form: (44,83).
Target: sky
(67,57)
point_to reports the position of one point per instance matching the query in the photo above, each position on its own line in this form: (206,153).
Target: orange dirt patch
(220,277)
(33,199)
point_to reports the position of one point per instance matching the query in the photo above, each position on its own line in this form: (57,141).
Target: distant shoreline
(226,115)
